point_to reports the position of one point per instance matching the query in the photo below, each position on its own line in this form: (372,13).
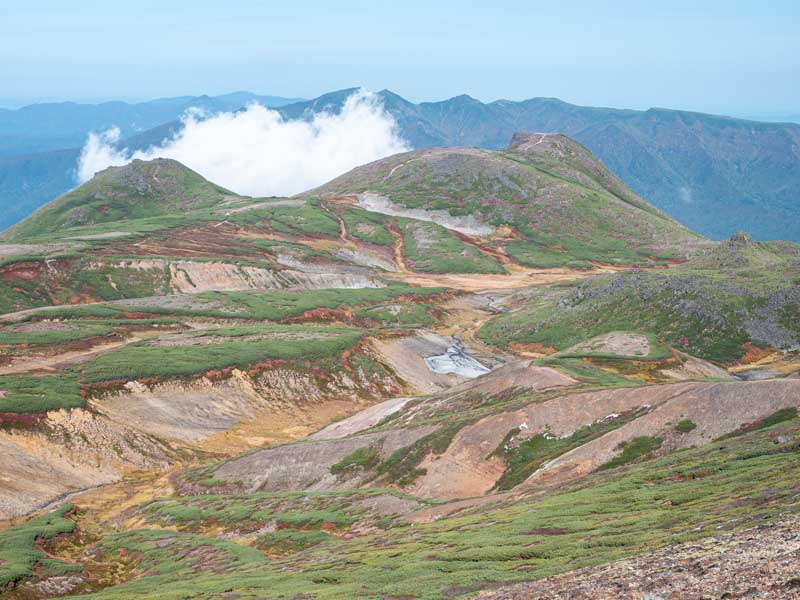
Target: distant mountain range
(54,126)
(715,174)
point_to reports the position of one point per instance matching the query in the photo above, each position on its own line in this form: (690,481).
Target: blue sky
(736,57)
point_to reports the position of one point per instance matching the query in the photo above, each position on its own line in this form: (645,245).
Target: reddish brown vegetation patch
(193,242)
(20,421)
(496,254)
(330,315)
(26,271)
(548,531)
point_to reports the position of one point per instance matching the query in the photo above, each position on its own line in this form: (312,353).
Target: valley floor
(341,536)
(333,421)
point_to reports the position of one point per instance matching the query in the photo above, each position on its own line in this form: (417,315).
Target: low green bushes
(29,394)
(19,553)
(632,450)
(359,460)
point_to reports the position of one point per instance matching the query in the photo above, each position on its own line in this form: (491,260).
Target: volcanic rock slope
(446,373)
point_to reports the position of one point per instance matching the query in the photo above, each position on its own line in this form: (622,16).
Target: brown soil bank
(143,427)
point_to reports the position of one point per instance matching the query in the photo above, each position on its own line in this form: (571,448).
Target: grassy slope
(396,305)
(66,280)
(261,306)
(431,248)
(238,347)
(31,394)
(688,495)
(710,307)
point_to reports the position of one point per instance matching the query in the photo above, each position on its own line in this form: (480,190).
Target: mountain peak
(569,158)
(142,176)
(138,189)
(546,188)
(741,238)
(525,142)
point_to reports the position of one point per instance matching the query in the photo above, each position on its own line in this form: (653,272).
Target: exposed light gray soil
(467,225)
(619,343)
(306,465)
(102,236)
(365,259)
(363,420)
(406,355)
(456,360)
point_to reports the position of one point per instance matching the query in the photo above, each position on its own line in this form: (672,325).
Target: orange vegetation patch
(347,200)
(531,348)
(755,353)
(82,299)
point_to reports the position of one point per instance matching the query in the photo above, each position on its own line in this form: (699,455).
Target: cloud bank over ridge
(256,152)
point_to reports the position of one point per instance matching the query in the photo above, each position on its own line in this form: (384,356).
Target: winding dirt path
(396,167)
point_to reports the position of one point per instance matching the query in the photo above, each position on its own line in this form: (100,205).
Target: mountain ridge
(715,174)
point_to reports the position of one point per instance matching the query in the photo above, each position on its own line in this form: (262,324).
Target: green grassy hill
(141,189)
(558,203)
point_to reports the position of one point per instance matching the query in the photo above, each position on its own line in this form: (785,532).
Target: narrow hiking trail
(342,226)
(397,167)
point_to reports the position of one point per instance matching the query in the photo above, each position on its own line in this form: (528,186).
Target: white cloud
(257,153)
(99,153)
